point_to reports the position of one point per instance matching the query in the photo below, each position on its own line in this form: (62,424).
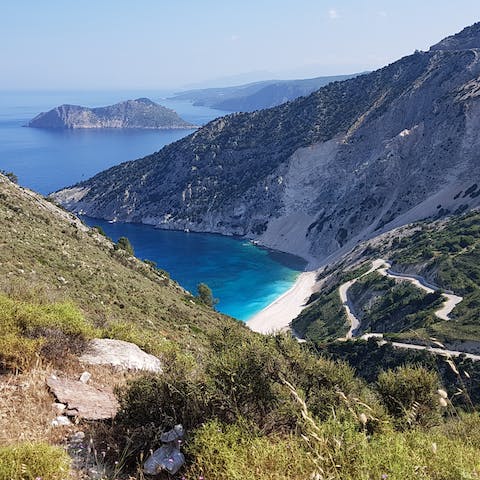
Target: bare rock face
(82,400)
(120,354)
(317,175)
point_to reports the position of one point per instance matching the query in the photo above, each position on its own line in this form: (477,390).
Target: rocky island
(140,113)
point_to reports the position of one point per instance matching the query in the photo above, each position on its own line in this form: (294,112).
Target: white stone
(61,421)
(85,377)
(120,354)
(59,406)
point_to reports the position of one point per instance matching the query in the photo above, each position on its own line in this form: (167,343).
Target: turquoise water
(243,277)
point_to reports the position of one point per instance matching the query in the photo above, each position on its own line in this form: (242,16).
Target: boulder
(120,354)
(82,400)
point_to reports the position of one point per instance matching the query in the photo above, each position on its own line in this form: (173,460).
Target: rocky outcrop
(120,354)
(141,113)
(316,175)
(82,400)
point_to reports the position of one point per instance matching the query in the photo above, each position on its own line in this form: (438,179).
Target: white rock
(120,354)
(59,406)
(61,421)
(85,377)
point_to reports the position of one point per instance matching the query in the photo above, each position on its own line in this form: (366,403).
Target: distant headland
(141,113)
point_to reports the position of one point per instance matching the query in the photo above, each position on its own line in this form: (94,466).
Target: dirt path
(384,268)
(448,305)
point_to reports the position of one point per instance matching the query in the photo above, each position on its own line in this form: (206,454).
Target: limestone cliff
(140,113)
(318,174)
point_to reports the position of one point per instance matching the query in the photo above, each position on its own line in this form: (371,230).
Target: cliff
(319,174)
(140,113)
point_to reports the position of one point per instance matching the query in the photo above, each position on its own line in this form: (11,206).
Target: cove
(243,277)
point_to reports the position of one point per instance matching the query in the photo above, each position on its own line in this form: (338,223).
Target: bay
(243,277)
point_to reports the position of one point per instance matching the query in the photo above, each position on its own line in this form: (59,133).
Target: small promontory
(141,113)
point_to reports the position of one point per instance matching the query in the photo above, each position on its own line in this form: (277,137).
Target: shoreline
(278,315)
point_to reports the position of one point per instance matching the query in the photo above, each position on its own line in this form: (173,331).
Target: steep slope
(316,175)
(139,113)
(445,253)
(258,95)
(46,250)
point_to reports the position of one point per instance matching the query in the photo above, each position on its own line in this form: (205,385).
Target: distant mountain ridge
(319,174)
(257,95)
(141,113)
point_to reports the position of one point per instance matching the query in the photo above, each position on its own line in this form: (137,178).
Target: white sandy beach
(278,315)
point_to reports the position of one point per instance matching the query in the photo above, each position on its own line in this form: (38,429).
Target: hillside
(319,174)
(47,250)
(141,113)
(258,95)
(250,406)
(444,252)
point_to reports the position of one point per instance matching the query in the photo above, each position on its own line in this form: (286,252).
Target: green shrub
(30,461)
(30,328)
(100,230)
(123,243)
(18,353)
(410,395)
(10,175)
(239,452)
(205,295)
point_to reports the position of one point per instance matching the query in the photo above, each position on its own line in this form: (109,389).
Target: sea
(243,277)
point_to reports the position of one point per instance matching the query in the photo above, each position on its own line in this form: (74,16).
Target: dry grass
(26,407)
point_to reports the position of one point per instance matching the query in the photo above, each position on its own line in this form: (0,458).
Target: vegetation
(10,175)
(33,461)
(47,256)
(384,305)
(254,407)
(445,252)
(324,319)
(205,295)
(123,243)
(28,329)
(449,254)
(410,395)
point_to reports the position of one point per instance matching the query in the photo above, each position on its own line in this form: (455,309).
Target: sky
(161,44)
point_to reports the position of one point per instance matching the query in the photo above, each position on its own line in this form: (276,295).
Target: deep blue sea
(243,277)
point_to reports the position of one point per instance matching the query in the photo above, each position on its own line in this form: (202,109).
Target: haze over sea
(243,277)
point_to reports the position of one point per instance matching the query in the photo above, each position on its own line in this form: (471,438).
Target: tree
(124,244)
(205,295)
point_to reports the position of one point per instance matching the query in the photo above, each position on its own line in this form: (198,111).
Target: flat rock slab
(83,400)
(120,354)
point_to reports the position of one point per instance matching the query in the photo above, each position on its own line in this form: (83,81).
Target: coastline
(278,315)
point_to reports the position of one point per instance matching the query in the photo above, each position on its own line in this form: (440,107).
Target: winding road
(384,268)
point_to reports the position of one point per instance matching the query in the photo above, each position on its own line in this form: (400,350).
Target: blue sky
(51,44)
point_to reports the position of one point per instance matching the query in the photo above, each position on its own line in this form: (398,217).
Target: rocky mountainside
(51,254)
(258,95)
(139,113)
(317,175)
